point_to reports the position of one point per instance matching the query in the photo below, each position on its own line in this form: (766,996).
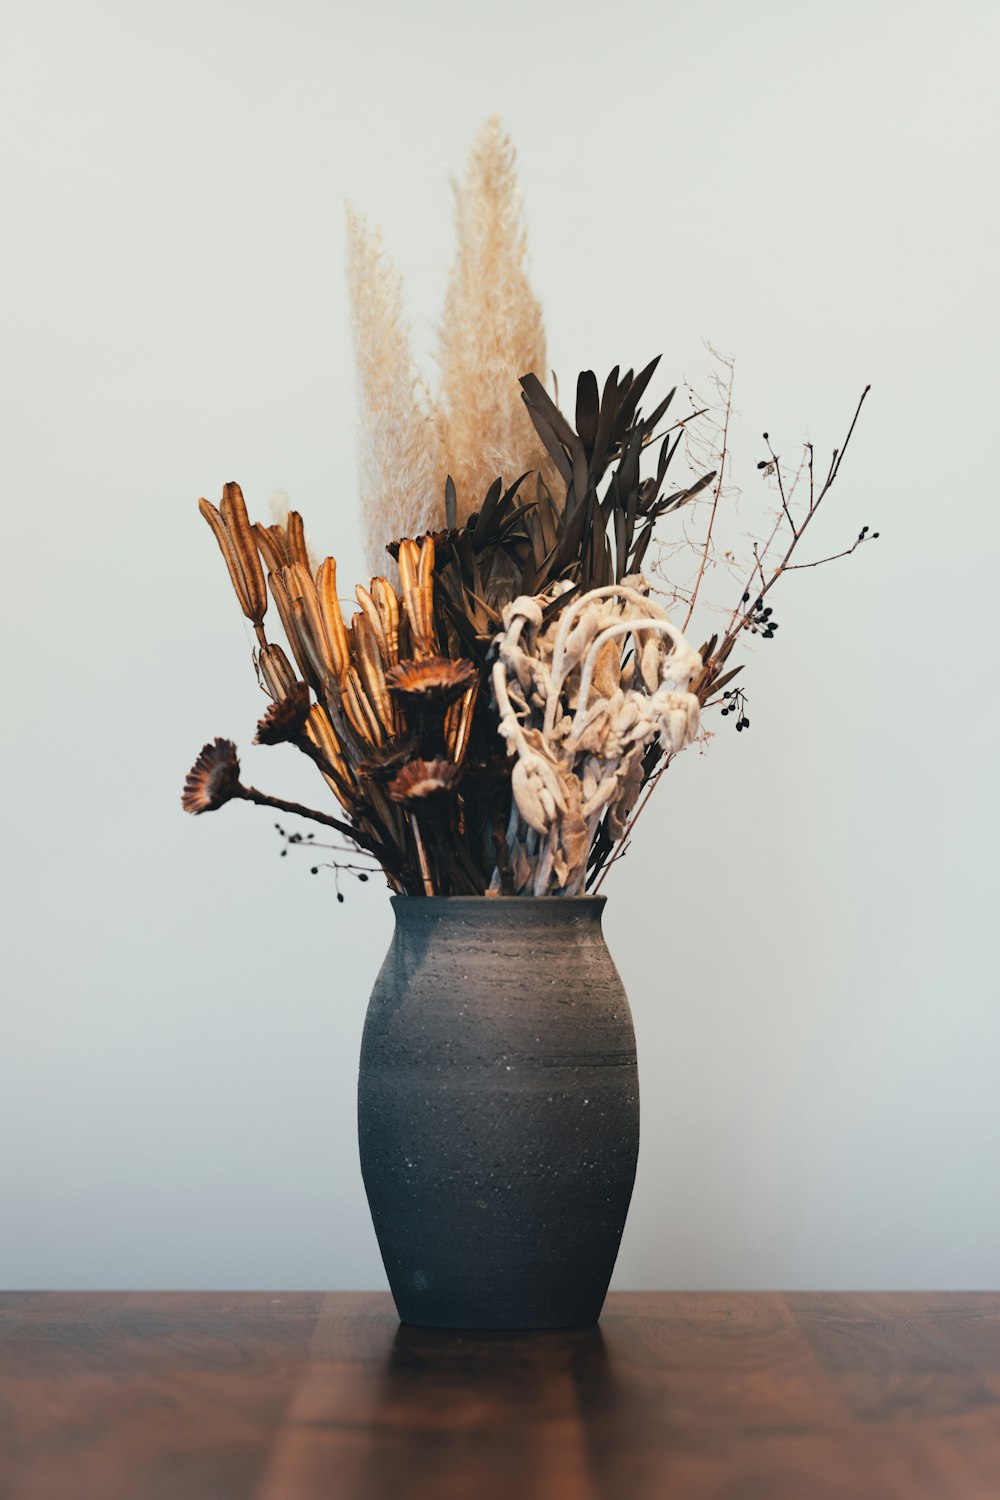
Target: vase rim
(506,903)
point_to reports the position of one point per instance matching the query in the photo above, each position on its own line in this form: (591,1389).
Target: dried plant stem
(834,556)
(781,485)
(651,786)
(281,804)
(425,869)
(723,455)
(329,770)
(739,616)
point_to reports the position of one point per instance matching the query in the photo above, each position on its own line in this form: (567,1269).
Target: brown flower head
(436,680)
(383,761)
(423,785)
(285,720)
(213,779)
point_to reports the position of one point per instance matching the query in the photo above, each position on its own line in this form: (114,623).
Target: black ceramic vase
(498,1111)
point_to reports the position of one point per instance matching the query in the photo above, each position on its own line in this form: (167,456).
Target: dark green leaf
(588,408)
(639,551)
(609,407)
(651,422)
(581,473)
(540,401)
(638,386)
(720,682)
(552,445)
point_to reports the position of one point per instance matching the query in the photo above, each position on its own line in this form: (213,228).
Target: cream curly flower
(579,722)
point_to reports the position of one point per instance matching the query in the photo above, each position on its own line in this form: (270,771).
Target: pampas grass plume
(491,332)
(400,473)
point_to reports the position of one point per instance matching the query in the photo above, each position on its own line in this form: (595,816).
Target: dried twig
(744,617)
(727,409)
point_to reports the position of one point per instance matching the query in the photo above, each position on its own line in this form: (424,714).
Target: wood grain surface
(295,1396)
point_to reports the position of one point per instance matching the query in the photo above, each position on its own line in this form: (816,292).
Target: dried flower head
(383,761)
(213,779)
(579,729)
(436,680)
(423,785)
(286,719)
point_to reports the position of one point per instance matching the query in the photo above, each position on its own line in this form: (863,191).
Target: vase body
(498,1111)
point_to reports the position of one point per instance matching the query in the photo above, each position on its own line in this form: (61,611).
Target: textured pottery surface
(498,1111)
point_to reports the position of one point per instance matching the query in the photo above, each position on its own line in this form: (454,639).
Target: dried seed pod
(336,630)
(298,552)
(272,545)
(237,522)
(360,712)
(425,579)
(372,614)
(238,546)
(300,585)
(228,551)
(458,724)
(416,569)
(320,732)
(368,658)
(388,607)
(277,671)
(286,612)
(313,646)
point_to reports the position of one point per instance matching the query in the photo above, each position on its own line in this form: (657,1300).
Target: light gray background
(807,924)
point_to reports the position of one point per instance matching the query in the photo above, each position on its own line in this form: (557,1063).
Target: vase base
(495,1327)
(510,1318)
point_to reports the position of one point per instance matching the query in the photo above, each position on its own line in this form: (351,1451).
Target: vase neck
(509,912)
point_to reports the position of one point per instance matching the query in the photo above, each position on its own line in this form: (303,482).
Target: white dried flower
(580,724)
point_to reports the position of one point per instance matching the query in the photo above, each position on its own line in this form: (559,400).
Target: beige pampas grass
(400,472)
(491,332)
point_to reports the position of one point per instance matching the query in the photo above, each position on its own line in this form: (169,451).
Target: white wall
(806,925)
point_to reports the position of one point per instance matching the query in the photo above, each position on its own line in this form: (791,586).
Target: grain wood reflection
(268,1396)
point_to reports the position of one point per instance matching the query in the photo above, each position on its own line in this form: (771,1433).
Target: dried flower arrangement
(508,692)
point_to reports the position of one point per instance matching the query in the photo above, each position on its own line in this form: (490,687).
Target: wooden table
(295,1396)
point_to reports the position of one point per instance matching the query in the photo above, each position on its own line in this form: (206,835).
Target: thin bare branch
(776,461)
(865,536)
(723,454)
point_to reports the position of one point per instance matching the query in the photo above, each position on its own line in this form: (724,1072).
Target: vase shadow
(478,1411)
